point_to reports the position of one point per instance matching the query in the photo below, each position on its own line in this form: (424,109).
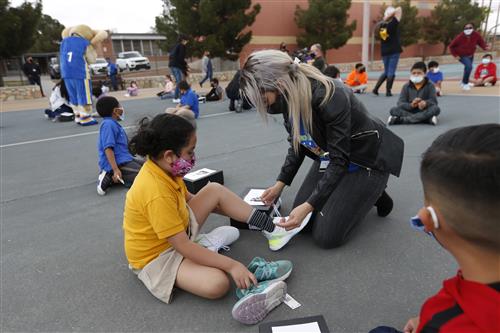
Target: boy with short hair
(435,76)
(417,102)
(357,80)
(116,163)
(332,71)
(461,181)
(486,73)
(216,93)
(189,105)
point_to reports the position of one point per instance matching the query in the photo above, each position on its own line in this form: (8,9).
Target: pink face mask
(181,167)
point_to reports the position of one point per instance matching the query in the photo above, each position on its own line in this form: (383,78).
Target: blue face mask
(417,224)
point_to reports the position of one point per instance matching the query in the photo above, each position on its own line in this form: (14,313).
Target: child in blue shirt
(189,105)
(435,76)
(116,163)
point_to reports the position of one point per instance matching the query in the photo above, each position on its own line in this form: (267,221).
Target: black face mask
(279,106)
(362,70)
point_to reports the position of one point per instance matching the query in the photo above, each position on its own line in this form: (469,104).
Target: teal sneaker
(270,270)
(256,302)
(280,237)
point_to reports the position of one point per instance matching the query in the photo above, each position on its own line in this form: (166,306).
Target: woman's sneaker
(257,301)
(219,238)
(270,271)
(279,237)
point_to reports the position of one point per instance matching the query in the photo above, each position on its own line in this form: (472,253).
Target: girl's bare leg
(217,198)
(203,281)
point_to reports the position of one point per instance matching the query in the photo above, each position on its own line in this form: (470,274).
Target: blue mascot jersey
(72,58)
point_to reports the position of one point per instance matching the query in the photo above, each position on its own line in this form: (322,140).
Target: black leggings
(346,207)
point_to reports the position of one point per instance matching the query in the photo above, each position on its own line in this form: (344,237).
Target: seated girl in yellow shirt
(161,222)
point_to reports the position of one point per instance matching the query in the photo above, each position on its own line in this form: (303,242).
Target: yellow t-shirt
(155,209)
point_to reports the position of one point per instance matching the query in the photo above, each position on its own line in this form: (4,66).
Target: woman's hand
(242,276)
(412,325)
(273,192)
(297,215)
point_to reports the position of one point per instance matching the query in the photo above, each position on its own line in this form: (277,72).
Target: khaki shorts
(159,274)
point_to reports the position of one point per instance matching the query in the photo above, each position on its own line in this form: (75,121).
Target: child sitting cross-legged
(417,102)
(486,73)
(162,219)
(115,161)
(357,80)
(460,174)
(435,76)
(216,93)
(189,105)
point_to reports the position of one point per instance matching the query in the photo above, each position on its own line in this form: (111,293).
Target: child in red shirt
(462,208)
(486,72)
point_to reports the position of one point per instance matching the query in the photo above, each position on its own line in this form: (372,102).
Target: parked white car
(132,60)
(100,66)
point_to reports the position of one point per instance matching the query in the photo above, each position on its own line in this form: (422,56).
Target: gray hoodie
(409,92)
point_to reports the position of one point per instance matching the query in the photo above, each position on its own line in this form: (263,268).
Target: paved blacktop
(62,261)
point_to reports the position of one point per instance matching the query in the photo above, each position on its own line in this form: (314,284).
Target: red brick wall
(275,23)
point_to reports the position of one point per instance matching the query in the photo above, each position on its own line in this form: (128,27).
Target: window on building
(136,45)
(147,47)
(156,49)
(127,46)
(117,46)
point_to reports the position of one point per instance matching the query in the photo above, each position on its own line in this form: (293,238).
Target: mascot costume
(76,53)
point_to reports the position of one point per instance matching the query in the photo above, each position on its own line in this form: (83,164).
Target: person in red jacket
(461,184)
(463,48)
(486,72)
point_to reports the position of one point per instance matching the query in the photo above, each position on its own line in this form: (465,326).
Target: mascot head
(84,31)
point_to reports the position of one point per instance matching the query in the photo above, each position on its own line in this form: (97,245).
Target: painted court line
(88,133)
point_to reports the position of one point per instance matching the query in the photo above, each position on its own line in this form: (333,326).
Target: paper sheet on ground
(254,194)
(300,328)
(198,174)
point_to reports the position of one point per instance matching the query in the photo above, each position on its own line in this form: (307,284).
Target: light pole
(372,52)
(366,32)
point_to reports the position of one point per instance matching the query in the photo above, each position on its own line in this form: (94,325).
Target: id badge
(323,164)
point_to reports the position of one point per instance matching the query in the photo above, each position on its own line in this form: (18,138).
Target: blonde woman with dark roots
(353,152)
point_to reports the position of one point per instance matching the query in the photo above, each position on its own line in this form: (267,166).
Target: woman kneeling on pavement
(353,152)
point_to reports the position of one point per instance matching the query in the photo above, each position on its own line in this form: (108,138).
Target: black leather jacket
(343,128)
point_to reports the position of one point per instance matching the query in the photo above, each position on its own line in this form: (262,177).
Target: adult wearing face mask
(486,73)
(463,48)
(390,46)
(417,102)
(353,152)
(318,60)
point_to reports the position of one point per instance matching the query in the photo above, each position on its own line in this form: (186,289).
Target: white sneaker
(466,87)
(389,120)
(488,84)
(219,238)
(434,120)
(280,237)
(176,100)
